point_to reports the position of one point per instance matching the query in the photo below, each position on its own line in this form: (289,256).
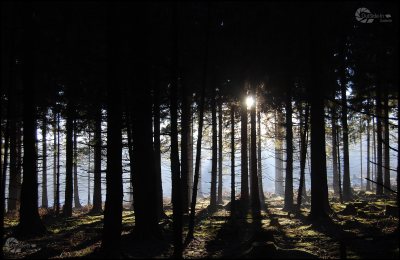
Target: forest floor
(359,229)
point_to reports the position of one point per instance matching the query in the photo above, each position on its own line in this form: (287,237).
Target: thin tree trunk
(278,155)
(361,156)
(54,159)
(339,167)
(67,209)
(289,153)
(255,196)
(213,192)
(374,173)
(379,177)
(386,140)
(303,156)
(185,148)
(77,202)
(347,195)
(89,169)
(44,164)
(244,189)
(175,167)
(368,187)
(259,163)
(334,154)
(220,148)
(97,200)
(189,236)
(233,161)
(58,164)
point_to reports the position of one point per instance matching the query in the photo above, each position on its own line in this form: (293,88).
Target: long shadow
(350,241)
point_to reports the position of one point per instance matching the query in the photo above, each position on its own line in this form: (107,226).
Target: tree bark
(111,239)
(233,161)
(29,219)
(289,152)
(303,155)
(255,197)
(386,140)
(77,202)
(67,209)
(97,198)
(244,188)
(347,194)
(279,190)
(379,177)
(220,158)
(44,164)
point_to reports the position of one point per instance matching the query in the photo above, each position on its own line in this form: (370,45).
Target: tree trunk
(89,169)
(303,156)
(339,167)
(199,135)
(289,153)
(279,190)
(255,197)
(213,191)
(29,219)
(54,158)
(334,154)
(185,148)
(379,177)
(77,202)
(44,164)
(346,163)
(97,200)
(368,185)
(157,146)
(386,141)
(361,156)
(67,209)
(233,161)
(220,159)
(111,239)
(259,163)
(319,185)
(58,164)
(244,188)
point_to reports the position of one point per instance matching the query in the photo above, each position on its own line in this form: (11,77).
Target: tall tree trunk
(255,196)
(67,209)
(44,164)
(97,200)
(289,152)
(368,185)
(77,202)
(213,192)
(29,219)
(346,163)
(334,154)
(375,171)
(259,164)
(15,175)
(361,157)
(386,140)
(54,158)
(185,148)
(379,177)
(58,164)
(220,159)
(89,169)
(339,167)
(319,184)
(111,239)
(157,146)
(175,167)
(244,188)
(278,154)
(303,156)
(233,161)
(196,180)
